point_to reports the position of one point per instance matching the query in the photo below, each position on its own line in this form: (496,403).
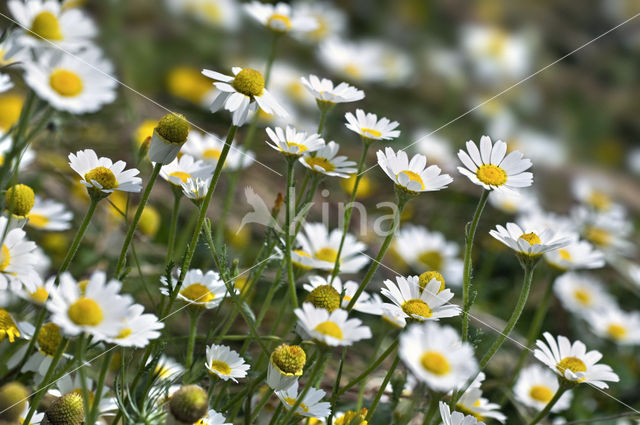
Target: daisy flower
(8,326)
(490,168)
(216,13)
(242,93)
(455,418)
(436,356)
(40,295)
(286,365)
(18,260)
(137,328)
(280,18)
(472,403)
(427,250)
(536,387)
(412,175)
(48,22)
(196,189)
(310,407)
(68,384)
(319,249)
(354,61)
(324,91)
(47,342)
(198,289)
(36,419)
(582,293)
(102,176)
(225,363)
(208,147)
(577,255)
(529,241)
(417,303)
(367,303)
(48,214)
(595,195)
(5,83)
(370,128)
(184,168)
(213,418)
(72,83)
(331,20)
(572,361)
(608,231)
(327,163)
(333,329)
(619,326)
(292,142)
(168,368)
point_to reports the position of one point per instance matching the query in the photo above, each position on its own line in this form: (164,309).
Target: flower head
(582,293)
(19,199)
(167,138)
(370,127)
(286,365)
(225,363)
(199,289)
(178,171)
(577,255)
(536,387)
(18,260)
(325,92)
(189,404)
(292,142)
(137,328)
(412,175)
(48,214)
(456,418)
(333,329)
(281,17)
(101,176)
(310,406)
(621,327)
(324,161)
(366,303)
(529,241)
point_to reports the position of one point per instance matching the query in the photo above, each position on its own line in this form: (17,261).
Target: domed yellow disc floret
(289,359)
(103,176)
(324,296)
(428,276)
(8,328)
(323,163)
(198,293)
(66,83)
(13,400)
(541,393)
(417,307)
(326,254)
(19,199)
(435,363)
(617,331)
(221,367)
(574,364)
(531,237)
(66,410)
(46,25)
(189,404)
(5,258)
(85,312)
(491,175)
(49,338)
(174,128)
(329,328)
(248,82)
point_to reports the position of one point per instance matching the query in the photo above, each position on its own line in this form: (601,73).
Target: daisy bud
(249,82)
(19,199)
(13,400)
(168,137)
(324,296)
(427,276)
(189,404)
(66,410)
(285,366)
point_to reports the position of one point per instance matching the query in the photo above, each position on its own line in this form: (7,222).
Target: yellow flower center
(10,108)
(301,148)
(353,70)
(599,200)
(598,236)
(40,295)
(582,296)
(66,83)
(85,312)
(431,259)
(174,128)
(46,25)
(248,82)
(531,237)
(564,254)
(79,392)
(197,292)
(103,176)
(289,358)
(324,296)
(279,22)
(617,331)
(326,254)
(181,175)
(220,367)
(541,393)
(8,327)
(574,364)
(291,401)
(416,306)
(124,333)
(435,363)
(497,43)
(5,258)
(211,154)
(412,177)
(19,199)
(38,220)
(371,132)
(491,175)
(49,338)
(324,163)
(427,276)
(329,328)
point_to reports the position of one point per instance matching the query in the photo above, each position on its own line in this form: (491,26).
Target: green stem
(336,385)
(370,369)
(323,118)
(318,367)
(386,380)
(193,331)
(77,239)
(175,212)
(470,233)
(271,58)
(287,232)
(432,410)
(564,386)
(136,218)
(106,362)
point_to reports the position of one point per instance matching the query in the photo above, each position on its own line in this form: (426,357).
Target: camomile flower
(325,92)
(47,22)
(72,83)
(333,329)
(94,306)
(102,176)
(514,202)
(319,249)
(48,214)
(196,189)
(242,93)
(216,13)
(490,168)
(18,260)
(40,295)
(472,403)
(5,83)
(455,418)
(326,162)
(73,384)
(529,241)
(310,406)
(367,303)
(184,168)
(595,194)
(436,355)
(412,175)
(167,368)
(292,142)
(36,419)
(609,231)
(426,250)
(577,255)
(572,362)
(208,147)
(331,20)
(137,328)
(225,363)
(582,293)
(281,17)
(617,325)
(370,128)
(198,289)
(354,61)
(536,387)
(213,418)
(417,303)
